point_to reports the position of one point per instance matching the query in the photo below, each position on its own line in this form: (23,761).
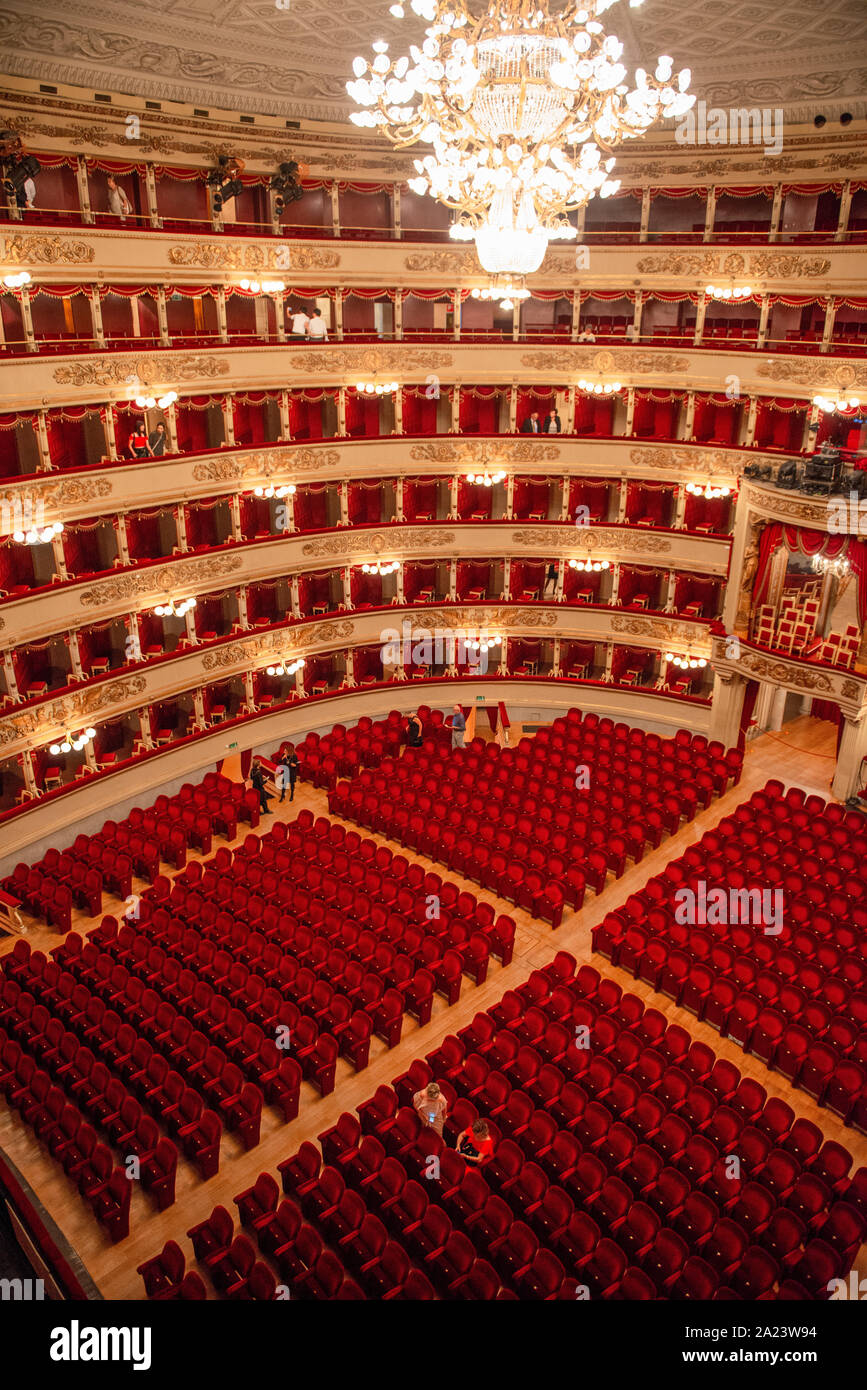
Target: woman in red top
(138,443)
(476,1144)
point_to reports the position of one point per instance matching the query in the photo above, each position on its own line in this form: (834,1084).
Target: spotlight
(846,118)
(819,121)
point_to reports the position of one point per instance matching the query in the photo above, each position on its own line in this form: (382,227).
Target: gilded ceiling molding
(446,262)
(239,255)
(631,360)
(110,370)
(770,264)
(661,630)
(771,501)
(52,716)
(365,359)
(46,250)
(484,451)
(365,542)
(229,470)
(163,579)
(65,492)
(589,538)
(813,372)
(712,462)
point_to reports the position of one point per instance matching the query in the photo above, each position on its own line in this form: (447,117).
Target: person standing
(552,423)
(157,440)
(257,777)
(288,773)
(414,732)
(317,329)
(531,424)
(138,443)
(459,725)
(299,322)
(118,203)
(550,581)
(431,1106)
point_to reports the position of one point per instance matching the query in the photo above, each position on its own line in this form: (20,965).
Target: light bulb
(65,747)
(54,749)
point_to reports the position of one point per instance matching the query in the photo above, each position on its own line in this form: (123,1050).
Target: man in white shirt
(299,323)
(317,327)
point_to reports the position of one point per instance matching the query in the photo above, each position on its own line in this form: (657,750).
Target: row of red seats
(165,831)
(343,751)
(796,997)
(663,1096)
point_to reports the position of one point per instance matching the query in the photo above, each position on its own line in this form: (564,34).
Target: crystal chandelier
(518,106)
(286,666)
(839,568)
(149,402)
(706,490)
(591,566)
(508,289)
(730,293)
(599,388)
(381,567)
(263,286)
(482,643)
(376,388)
(686,663)
(34,536)
(485,479)
(175,608)
(285,490)
(73,743)
(841,404)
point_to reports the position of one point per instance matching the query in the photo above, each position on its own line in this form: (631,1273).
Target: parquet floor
(802,754)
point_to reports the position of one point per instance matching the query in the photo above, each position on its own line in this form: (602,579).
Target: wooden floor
(802,754)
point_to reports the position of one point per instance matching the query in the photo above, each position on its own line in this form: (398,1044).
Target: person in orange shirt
(476,1144)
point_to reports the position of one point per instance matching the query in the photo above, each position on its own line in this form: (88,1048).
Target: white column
(576,313)
(395,211)
(680,507)
(293,594)
(11,679)
(349,677)
(700,311)
(710,214)
(636,318)
(162,316)
(338,313)
(560,581)
(151,189)
(621,505)
(398,314)
(181,521)
(192,635)
(828,330)
(344,502)
(222,321)
(235,513)
(810,437)
(507,579)
(453,580)
(456,408)
(27,320)
(398,503)
(228,416)
(513,409)
(630,409)
(845,207)
(750,432)
(45,464)
(510,497)
(249,693)
(199,707)
(727,707)
(171,414)
(398,412)
(341,410)
(335,210)
(456,314)
(285,430)
(776,213)
(96,316)
(690,415)
(59,558)
(453,497)
(401,593)
(110,435)
(243,615)
(609,658)
(27,769)
(347,588)
(122,540)
(669,592)
(555,670)
(87,216)
(763,320)
(645,214)
(615,585)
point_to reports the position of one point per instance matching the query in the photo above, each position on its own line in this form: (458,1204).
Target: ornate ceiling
(290,58)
